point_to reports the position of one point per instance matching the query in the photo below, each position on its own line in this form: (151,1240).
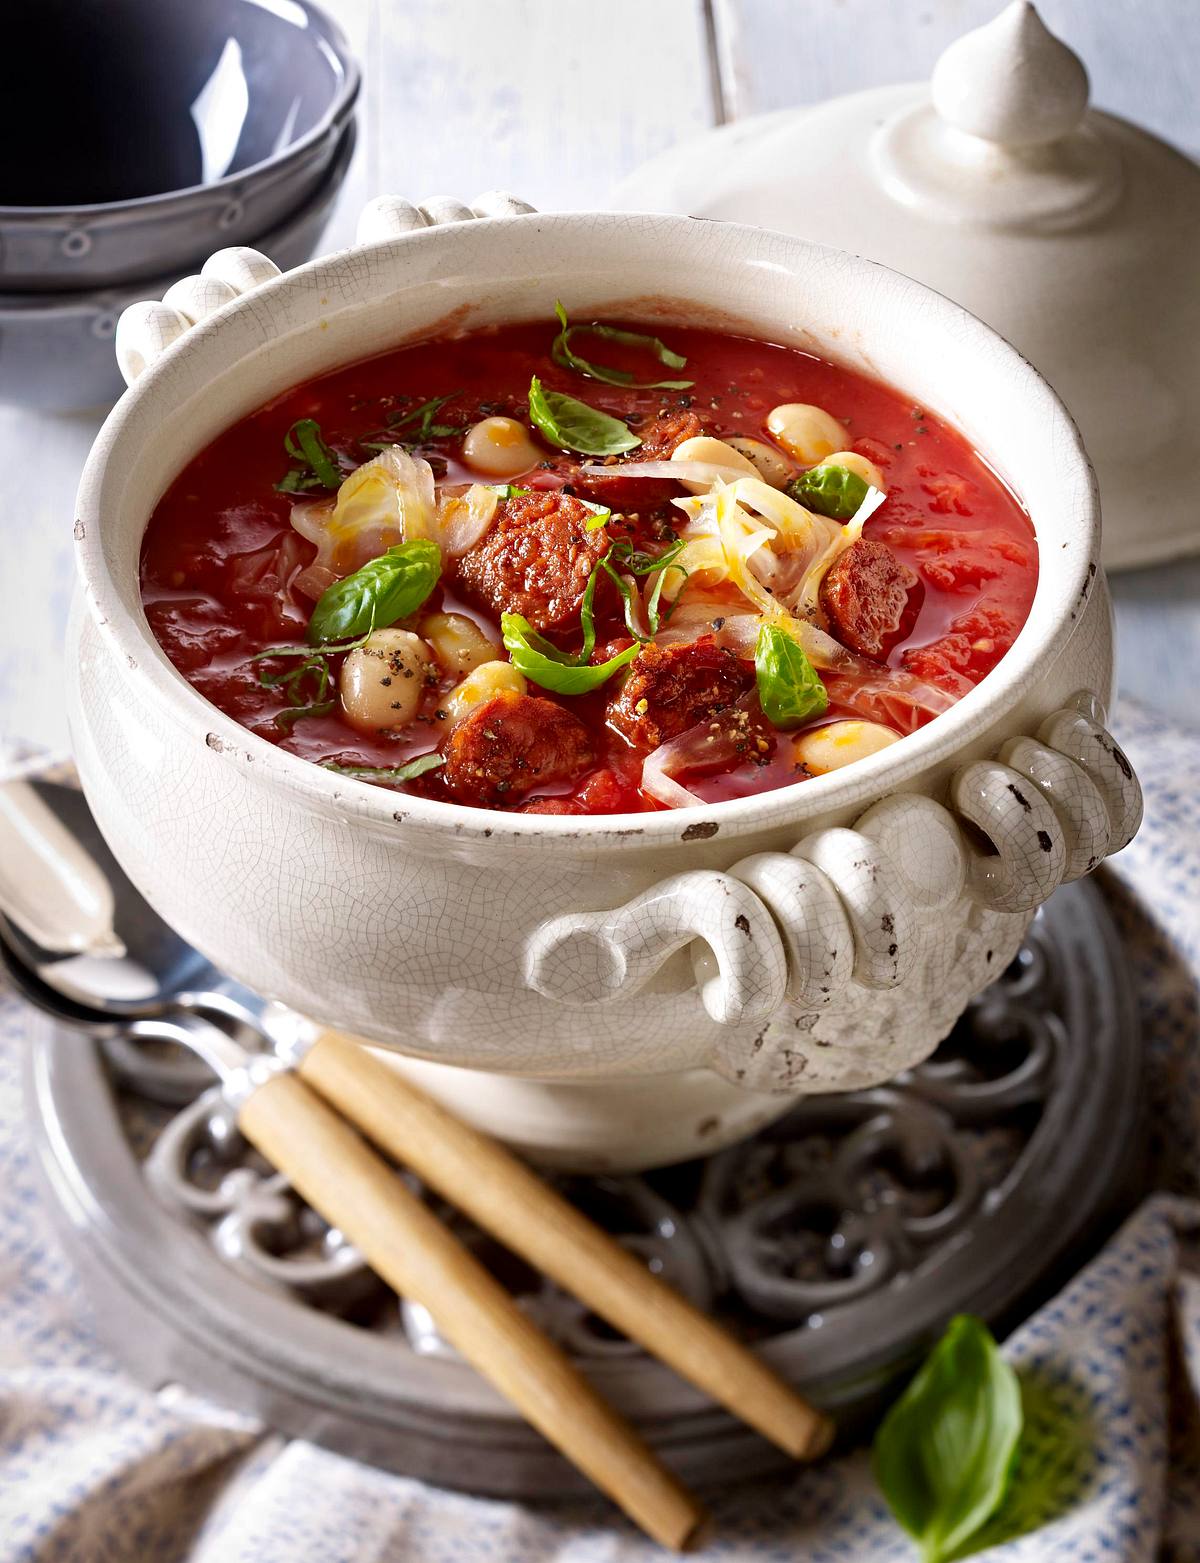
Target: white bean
(808,433)
(382,681)
(458,642)
(861,466)
(500,448)
(488,679)
(702,447)
(828,748)
(772,465)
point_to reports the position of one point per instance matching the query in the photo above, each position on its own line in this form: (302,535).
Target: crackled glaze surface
(694,945)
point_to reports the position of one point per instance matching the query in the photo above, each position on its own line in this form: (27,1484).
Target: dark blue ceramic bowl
(174,127)
(56,349)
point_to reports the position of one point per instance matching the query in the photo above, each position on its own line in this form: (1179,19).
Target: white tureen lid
(1072,232)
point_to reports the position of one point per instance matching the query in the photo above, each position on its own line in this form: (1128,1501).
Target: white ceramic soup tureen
(626,990)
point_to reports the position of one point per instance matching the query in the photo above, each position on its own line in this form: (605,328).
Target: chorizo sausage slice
(535,559)
(871,599)
(671,688)
(511,744)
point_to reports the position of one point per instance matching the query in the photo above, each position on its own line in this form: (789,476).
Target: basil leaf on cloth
(830,491)
(945,1452)
(543,663)
(789,687)
(383,590)
(563,355)
(573,425)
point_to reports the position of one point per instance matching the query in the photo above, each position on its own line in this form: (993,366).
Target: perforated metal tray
(839,1240)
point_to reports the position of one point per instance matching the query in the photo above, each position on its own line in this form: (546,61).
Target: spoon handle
(507,1199)
(343,1179)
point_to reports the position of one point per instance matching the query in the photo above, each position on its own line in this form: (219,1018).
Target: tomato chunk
(970,649)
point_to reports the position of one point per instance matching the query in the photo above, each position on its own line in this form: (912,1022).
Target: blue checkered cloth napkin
(94,1469)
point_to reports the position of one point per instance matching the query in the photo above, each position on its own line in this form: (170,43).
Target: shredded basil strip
(573,425)
(296,481)
(657,620)
(831,491)
(318,464)
(313,671)
(383,590)
(945,1452)
(388,773)
(424,417)
(789,687)
(288,719)
(543,663)
(622,555)
(563,355)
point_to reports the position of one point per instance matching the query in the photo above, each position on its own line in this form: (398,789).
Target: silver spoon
(151,971)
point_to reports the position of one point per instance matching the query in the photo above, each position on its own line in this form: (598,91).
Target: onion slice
(693,471)
(707,746)
(658,784)
(386,501)
(463,518)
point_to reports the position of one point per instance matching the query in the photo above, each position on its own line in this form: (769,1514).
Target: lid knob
(1012,81)
(1005,140)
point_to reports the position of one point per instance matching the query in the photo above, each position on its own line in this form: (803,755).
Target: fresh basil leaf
(319,468)
(563,355)
(830,491)
(945,1452)
(383,590)
(600,514)
(573,425)
(544,664)
(789,687)
(389,773)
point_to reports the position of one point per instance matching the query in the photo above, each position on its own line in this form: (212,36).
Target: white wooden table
(557,100)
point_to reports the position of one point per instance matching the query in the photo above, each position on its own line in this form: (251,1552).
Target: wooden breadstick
(505,1198)
(355,1190)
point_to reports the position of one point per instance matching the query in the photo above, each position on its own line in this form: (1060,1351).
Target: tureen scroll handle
(590,957)
(148,328)
(847,905)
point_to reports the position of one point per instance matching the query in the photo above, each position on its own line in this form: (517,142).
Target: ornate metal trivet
(840,1239)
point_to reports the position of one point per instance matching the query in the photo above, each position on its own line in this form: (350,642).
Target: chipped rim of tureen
(1064,581)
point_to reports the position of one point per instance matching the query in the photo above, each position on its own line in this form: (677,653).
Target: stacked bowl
(177,130)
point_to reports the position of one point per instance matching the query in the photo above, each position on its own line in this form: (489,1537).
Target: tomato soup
(576,568)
